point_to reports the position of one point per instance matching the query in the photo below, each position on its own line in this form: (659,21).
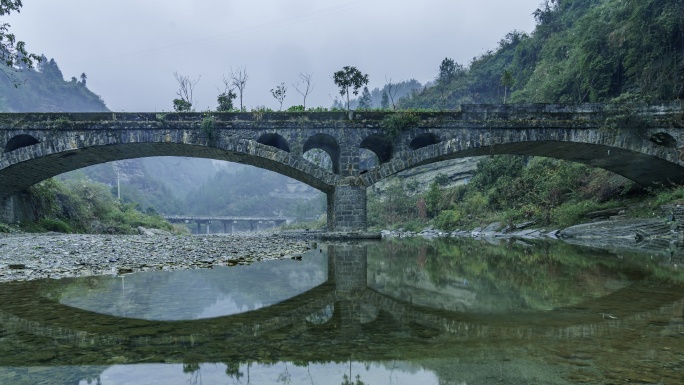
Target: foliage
(13,54)
(299,108)
(180,105)
(225,101)
(207,127)
(80,205)
(580,51)
(394,124)
(349,80)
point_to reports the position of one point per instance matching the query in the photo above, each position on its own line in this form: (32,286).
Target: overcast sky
(129,49)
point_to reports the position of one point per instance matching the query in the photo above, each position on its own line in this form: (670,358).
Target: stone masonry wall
(348,208)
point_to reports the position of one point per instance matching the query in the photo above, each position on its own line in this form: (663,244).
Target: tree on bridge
(186,86)
(306,87)
(279,94)
(349,79)
(238,79)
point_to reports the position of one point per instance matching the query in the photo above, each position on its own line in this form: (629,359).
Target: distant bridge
(226,221)
(643,143)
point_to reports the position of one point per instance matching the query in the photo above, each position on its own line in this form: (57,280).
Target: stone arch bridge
(641,142)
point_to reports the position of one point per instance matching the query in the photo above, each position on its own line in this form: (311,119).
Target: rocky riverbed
(51,255)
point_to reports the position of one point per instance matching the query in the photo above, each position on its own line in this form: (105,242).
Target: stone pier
(347,209)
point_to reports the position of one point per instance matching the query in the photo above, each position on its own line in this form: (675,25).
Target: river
(397,311)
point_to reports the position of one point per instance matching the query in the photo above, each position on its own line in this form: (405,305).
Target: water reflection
(193,294)
(416,311)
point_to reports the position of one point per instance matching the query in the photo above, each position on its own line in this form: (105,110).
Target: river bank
(26,256)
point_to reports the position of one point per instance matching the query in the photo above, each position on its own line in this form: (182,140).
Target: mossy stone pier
(641,142)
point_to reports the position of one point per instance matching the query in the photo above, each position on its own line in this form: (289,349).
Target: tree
(349,79)
(507,82)
(365,101)
(306,87)
(83,78)
(225,101)
(279,94)
(447,71)
(392,90)
(238,78)
(12,51)
(384,103)
(186,86)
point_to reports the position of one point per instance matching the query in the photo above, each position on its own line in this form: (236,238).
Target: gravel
(51,255)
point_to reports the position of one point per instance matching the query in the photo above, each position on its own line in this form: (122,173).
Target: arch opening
(423,140)
(328,144)
(380,145)
(367,160)
(20,141)
(320,158)
(274,140)
(664,139)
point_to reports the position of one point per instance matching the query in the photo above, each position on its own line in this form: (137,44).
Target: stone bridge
(642,143)
(228,222)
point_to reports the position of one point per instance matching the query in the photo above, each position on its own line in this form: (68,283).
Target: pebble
(50,255)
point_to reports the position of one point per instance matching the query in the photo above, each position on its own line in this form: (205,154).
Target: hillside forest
(612,51)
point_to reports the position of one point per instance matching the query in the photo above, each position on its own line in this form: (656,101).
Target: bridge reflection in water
(375,302)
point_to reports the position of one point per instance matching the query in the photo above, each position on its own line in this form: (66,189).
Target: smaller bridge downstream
(254,223)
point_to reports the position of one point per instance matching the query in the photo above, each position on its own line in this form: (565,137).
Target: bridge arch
(29,165)
(635,159)
(20,141)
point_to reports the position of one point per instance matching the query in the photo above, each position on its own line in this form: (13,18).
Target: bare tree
(186,86)
(392,90)
(307,86)
(238,79)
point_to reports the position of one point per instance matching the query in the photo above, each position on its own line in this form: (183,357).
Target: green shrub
(5,228)
(394,124)
(448,219)
(572,213)
(55,225)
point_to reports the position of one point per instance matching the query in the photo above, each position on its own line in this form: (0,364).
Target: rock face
(458,172)
(633,229)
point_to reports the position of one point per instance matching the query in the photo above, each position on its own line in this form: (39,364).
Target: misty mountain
(43,89)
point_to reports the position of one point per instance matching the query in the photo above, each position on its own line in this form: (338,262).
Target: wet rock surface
(36,256)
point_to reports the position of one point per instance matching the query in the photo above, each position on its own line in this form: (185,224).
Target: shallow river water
(410,311)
